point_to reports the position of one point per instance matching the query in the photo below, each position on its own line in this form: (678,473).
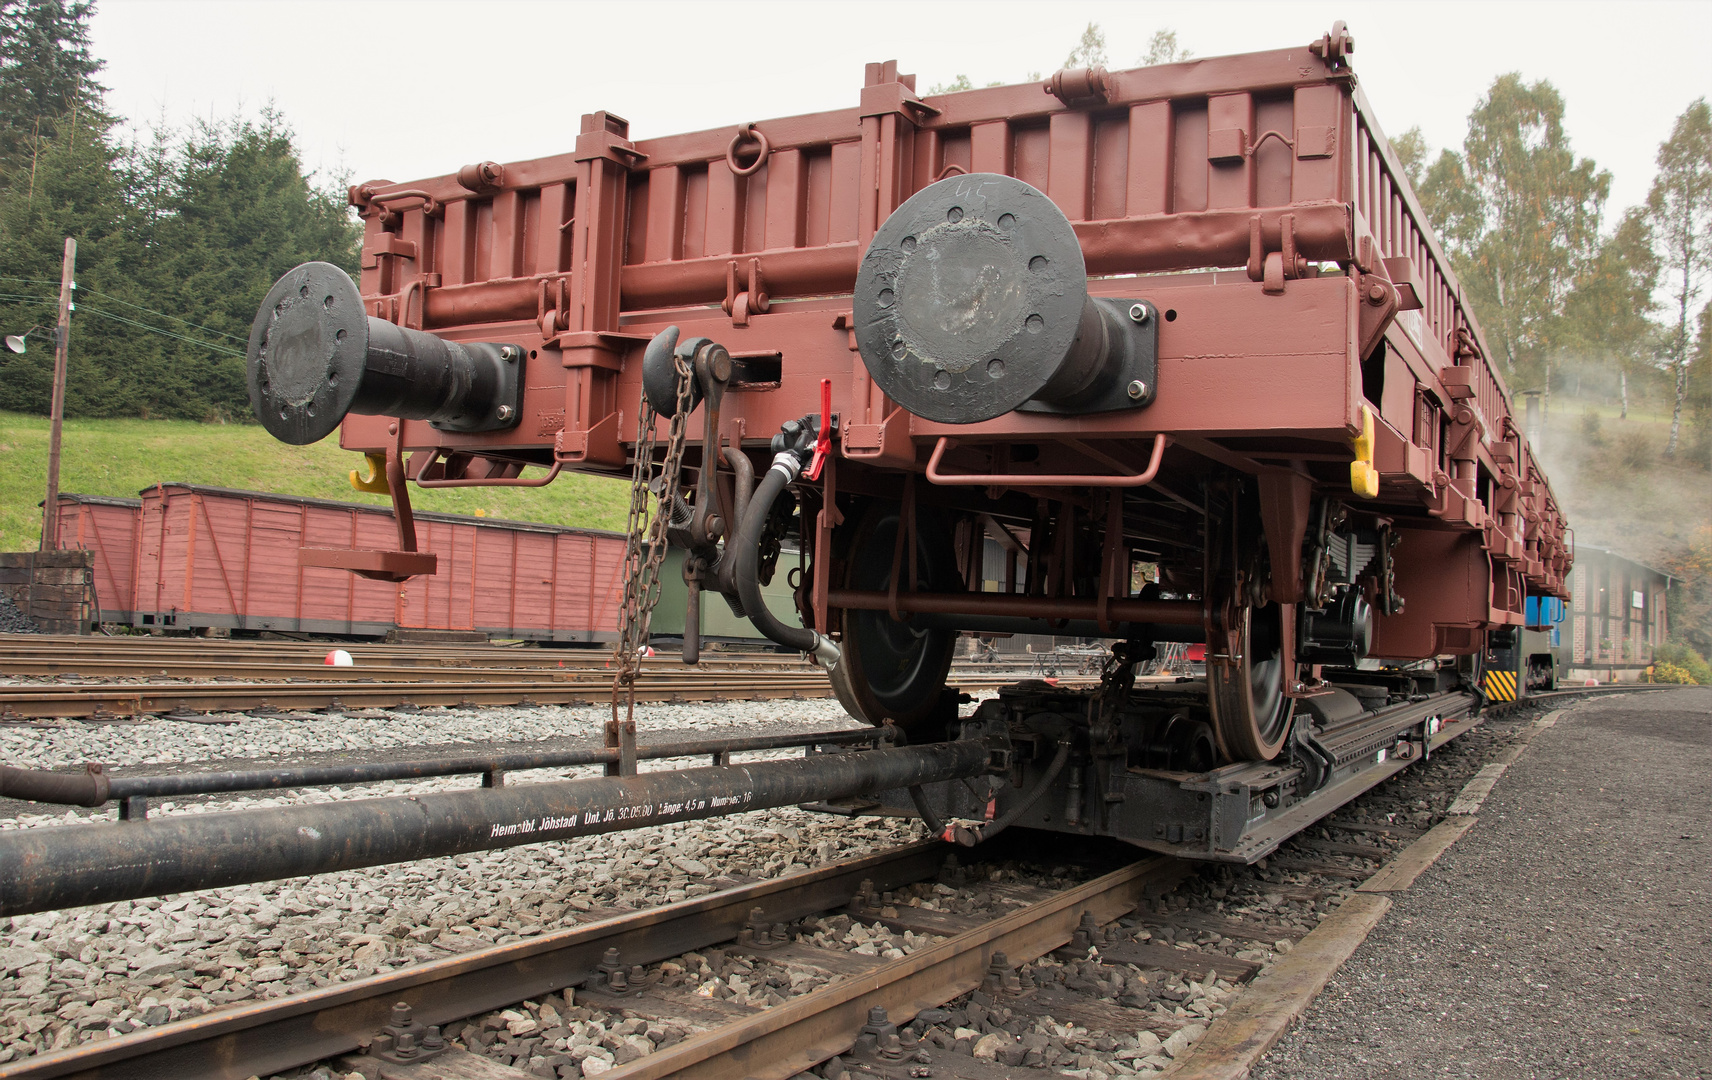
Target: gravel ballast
(91,973)
(13,621)
(1568,934)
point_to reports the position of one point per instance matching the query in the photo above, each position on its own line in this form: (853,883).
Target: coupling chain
(644,554)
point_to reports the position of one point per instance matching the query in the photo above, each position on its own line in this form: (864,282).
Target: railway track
(976,929)
(268,1037)
(1546,698)
(35,653)
(131,680)
(103,677)
(21,703)
(1169,940)
(46,654)
(192,700)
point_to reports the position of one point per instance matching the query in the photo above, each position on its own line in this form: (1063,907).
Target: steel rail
(98,658)
(787,1039)
(316,671)
(133,699)
(475,656)
(62,700)
(66,645)
(1566,693)
(263,1037)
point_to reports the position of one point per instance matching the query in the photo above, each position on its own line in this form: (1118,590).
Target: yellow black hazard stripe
(1501,686)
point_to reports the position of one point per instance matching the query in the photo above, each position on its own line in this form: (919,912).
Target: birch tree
(1680,207)
(1519,214)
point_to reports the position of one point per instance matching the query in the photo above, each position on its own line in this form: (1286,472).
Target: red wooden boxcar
(107,527)
(187,557)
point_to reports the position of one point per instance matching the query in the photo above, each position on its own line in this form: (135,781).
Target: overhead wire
(86,309)
(139,307)
(162,314)
(157,330)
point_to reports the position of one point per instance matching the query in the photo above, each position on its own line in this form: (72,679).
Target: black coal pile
(13,621)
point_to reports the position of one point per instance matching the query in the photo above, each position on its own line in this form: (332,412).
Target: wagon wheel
(1251,715)
(892,670)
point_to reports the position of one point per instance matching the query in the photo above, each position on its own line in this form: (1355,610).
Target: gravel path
(1568,934)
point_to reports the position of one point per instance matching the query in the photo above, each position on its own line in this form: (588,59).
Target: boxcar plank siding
(187,557)
(107,527)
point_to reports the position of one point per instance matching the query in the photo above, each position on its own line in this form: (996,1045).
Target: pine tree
(239,212)
(178,239)
(47,76)
(74,191)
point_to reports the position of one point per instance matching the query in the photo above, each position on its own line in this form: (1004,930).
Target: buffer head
(970,297)
(308,351)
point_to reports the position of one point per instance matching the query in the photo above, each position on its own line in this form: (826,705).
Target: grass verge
(121,457)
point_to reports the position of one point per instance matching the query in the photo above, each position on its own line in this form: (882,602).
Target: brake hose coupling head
(793,446)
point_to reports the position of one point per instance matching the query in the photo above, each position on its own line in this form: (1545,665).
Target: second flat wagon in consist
(1178,339)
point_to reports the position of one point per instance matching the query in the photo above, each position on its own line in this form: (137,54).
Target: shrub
(1591,429)
(1679,657)
(1670,673)
(1700,450)
(1635,450)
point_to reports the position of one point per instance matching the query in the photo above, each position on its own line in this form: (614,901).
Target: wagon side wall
(188,558)
(108,529)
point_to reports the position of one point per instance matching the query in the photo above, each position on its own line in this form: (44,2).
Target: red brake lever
(823,443)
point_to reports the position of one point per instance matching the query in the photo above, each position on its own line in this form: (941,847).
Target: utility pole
(62,343)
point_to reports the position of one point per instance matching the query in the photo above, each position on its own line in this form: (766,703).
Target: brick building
(1616,617)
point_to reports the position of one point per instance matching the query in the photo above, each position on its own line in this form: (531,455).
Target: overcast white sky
(405,89)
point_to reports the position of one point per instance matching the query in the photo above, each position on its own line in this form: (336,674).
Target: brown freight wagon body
(107,527)
(213,557)
(1315,450)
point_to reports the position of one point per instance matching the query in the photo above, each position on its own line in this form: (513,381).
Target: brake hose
(787,465)
(970,835)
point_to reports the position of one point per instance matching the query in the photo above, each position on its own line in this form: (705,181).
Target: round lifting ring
(765,147)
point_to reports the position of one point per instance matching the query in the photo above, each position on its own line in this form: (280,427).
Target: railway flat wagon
(213,557)
(1167,357)
(1180,340)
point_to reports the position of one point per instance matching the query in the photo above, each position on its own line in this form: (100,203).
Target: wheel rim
(1251,714)
(891,670)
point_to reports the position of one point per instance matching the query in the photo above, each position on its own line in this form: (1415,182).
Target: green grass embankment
(121,457)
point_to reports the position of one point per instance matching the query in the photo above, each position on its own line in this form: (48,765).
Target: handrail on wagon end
(1045,479)
(485,481)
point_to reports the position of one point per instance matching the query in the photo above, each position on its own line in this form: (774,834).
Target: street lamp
(56,411)
(15,342)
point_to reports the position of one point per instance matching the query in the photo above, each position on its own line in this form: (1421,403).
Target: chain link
(645,544)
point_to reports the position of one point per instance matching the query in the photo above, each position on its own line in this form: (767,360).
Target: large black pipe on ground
(52,867)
